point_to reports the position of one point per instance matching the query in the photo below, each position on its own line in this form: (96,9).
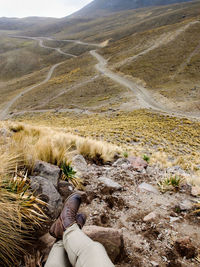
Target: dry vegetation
(125,23)
(158,66)
(21,57)
(167,140)
(9,89)
(20,211)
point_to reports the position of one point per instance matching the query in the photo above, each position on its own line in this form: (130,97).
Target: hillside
(107,104)
(103,7)
(24,23)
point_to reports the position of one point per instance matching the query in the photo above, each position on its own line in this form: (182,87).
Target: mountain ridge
(100,7)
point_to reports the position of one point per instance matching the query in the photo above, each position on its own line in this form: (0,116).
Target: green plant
(197,207)
(146,158)
(170,184)
(69,174)
(125,154)
(20,214)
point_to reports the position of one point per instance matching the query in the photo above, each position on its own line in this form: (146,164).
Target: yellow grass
(55,146)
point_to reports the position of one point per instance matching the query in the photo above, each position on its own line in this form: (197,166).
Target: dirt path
(187,61)
(162,40)
(5,111)
(145,98)
(141,93)
(41,43)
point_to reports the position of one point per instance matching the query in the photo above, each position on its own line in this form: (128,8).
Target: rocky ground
(141,225)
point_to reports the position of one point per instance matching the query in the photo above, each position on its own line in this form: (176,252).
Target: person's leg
(58,256)
(82,251)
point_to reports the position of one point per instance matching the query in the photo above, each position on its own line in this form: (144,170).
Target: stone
(47,171)
(173,219)
(108,185)
(110,238)
(155,264)
(138,164)
(150,217)
(120,162)
(195,192)
(65,189)
(46,243)
(185,248)
(79,163)
(144,187)
(185,205)
(48,193)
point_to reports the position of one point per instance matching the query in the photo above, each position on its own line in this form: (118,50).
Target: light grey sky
(44,8)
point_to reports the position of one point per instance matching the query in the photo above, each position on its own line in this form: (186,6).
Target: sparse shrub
(69,174)
(146,158)
(170,184)
(197,207)
(20,214)
(125,154)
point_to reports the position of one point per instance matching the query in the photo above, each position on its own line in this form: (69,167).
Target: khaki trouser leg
(58,256)
(82,251)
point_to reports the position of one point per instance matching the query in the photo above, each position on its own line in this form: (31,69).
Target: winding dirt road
(145,98)
(5,111)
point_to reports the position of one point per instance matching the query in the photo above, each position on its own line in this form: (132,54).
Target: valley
(115,86)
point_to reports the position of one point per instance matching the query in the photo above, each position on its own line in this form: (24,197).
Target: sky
(42,8)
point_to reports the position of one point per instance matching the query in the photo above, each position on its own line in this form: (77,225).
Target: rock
(185,205)
(108,185)
(79,164)
(120,162)
(144,187)
(185,247)
(65,189)
(174,219)
(48,193)
(47,171)
(155,264)
(138,164)
(195,192)
(110,238)
(150,217)
(46,243)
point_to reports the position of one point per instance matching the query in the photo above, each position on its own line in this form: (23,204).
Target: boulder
(110,238)
(79,164)
(48,193)
(138,164)
(108,185)
(144,187)
(195,192)
(47,171)
(185,205)
(120,162)
(46,243)
(65,189)
(150,217)
(185,248)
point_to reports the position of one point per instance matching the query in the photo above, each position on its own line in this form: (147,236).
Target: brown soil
(145,243)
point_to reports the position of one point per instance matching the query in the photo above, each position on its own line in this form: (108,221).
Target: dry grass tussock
(20,210)
(56,146)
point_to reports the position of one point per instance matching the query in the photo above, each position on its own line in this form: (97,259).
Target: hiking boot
(68,216)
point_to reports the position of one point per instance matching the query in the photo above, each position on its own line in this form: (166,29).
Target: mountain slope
(24,23)
(102,7)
